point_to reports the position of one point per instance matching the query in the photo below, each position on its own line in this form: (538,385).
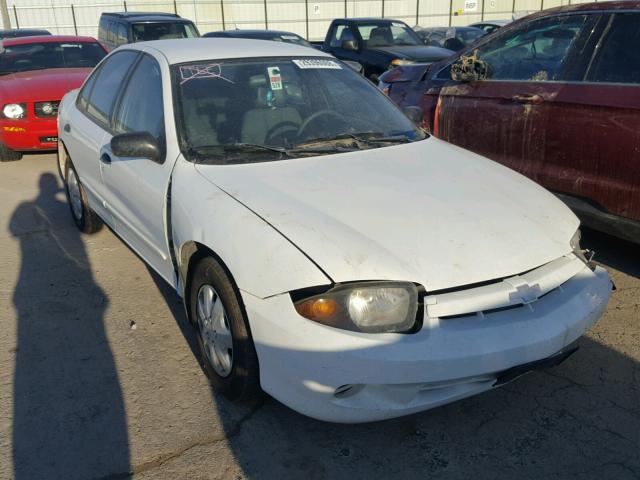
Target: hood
(419,53)
(40,85)
(426,212)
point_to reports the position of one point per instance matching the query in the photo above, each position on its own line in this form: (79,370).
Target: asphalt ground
(100,379)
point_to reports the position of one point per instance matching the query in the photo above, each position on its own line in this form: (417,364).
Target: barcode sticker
(317,63)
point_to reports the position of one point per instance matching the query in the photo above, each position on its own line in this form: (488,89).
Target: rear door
(504,116)
(88,123)
(595,153)
(136,188)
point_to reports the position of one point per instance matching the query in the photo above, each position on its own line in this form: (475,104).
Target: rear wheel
(229,355)
(8,155)
(85,219)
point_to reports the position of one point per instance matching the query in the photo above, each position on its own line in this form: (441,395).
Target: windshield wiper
(202,152)
(366,138)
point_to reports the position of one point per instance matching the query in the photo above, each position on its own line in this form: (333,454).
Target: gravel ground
(99,378)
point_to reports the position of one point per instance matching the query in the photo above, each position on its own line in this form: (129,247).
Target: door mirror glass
(469,68)
(350,45)
(136,145)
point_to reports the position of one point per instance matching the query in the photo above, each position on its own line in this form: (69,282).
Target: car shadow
(581,418)
(69,418)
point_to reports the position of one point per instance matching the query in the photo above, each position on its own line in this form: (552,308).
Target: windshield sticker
(275,78)
(288,37)
(211,70)
(317,63)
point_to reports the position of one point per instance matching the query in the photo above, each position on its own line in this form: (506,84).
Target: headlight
(14,110)
(401,61)
(372,307)
(584,255)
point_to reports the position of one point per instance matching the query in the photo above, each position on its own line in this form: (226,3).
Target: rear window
(40,56)
(143,32)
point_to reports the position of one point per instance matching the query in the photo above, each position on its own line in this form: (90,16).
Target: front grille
(46,109)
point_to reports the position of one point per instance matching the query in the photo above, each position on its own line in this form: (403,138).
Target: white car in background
(326,249)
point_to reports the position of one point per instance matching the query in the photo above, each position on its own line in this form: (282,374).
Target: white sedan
(327,250)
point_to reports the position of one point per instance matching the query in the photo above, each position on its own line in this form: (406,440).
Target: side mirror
(469,68)
(350,45)
(137,145)
(414,114)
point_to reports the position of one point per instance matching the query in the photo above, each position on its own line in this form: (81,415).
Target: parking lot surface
(100,379)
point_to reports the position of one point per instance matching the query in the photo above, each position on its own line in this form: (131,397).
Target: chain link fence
(308,18)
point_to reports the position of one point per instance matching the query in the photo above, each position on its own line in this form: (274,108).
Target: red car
(555,96)
(35,73)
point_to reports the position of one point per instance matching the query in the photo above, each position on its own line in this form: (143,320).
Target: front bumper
(29,134)
(381,376)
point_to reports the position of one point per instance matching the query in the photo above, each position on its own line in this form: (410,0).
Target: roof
(219,48)
(140,14)
(492,22)
(616,5)
(24,31)
(46,39)
(371,19)
(147,17)
(240,32)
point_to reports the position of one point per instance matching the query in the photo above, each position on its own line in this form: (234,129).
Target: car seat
(380,37)
(271,121)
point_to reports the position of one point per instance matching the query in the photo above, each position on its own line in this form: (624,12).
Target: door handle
(67,127)
(105,158)
(528,98)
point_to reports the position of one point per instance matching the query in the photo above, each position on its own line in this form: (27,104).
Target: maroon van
(555,96)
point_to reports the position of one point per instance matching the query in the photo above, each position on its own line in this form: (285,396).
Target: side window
(121,35)
(340,34)
(107,85)
(83,96)
(536,52)
(111,36)
(618,60)
(141,108)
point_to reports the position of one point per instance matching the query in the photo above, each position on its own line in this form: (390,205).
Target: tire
(85,219)
(8,155)
(236,375)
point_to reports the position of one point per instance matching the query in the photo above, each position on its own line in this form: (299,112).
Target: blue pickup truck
(378,44)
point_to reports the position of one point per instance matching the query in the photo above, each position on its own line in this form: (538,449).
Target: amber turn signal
(317,308)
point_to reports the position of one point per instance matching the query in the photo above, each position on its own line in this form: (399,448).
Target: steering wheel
(280,129)
(313,117)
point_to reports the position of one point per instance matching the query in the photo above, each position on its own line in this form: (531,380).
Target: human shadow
(69,418)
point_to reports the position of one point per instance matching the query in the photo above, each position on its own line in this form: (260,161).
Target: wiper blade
(236,147)
(367,138)
(389,139)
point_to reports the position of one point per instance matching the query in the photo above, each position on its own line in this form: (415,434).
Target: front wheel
(229,355)
(85,219)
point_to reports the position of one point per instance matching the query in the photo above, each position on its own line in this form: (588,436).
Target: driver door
(137,187)
(505,116)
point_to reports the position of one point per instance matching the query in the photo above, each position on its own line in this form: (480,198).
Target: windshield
(271,109)
(386,34)
(143,32)
(39,56)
